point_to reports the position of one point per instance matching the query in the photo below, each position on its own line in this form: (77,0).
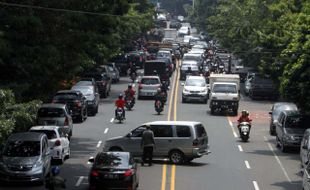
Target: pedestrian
(148,145)
(54,181)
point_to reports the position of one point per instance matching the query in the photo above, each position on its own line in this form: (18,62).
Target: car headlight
(289,137)
(38,165)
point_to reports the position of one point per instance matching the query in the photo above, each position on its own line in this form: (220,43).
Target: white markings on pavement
(235,134)
(106,130)
(255,185)
(240,148)
(99,143)
(78,183)
(278,160)
(231,124)
(112,120)
(247,164)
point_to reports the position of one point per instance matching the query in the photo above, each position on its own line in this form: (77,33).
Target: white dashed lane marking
(255,185)
(112,119)
(247,165)
(106,130)
(240,148)
(78,183)
(99,143)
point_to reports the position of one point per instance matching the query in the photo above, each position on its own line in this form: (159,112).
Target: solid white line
(235,134)
(240,148)
(78,183)
(255,185)
(106,130)
(231,124)
(99,143)
(279,162)
(247,164)
(112,120)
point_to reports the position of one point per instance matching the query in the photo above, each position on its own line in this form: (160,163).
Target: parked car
(113,170)
(306,177)
(75,101)
(262,87)
(181,141)
(25,158)
(87,82)
(56,114)
(148,86)
(184,30)
(114,72)
(305,148)
(275,111)
(195,88)
(290,129)
(57,139)
(92,98)
(103,81)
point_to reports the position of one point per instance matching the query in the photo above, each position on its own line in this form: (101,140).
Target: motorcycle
(129,103)
(119,115)
(158,107)
(244,130)
(133,77)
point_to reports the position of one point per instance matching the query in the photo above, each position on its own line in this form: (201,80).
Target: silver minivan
(181,141)
(305,148)
(25,158)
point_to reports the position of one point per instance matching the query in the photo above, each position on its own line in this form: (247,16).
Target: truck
(157,67)
(224,93)
(170,34)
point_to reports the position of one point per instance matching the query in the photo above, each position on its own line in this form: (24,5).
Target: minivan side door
(163,135)
(132,141)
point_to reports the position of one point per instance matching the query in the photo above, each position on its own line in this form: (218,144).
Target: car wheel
(176,157)
(271,131)
(277,141)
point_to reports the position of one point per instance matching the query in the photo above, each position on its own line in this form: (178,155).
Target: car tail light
(195,142)
(140,86)
(58,143)
(66,121)
(78,103)
(94,173)
(128,173)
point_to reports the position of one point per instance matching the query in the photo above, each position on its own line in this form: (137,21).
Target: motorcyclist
(164,86)
(120,103)
(244,118)
(159,96)
(133,69)
(55,182)
(130,92)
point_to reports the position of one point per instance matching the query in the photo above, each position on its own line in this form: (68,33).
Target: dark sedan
(113,170)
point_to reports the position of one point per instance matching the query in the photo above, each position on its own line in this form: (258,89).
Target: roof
(195,77)
(45,127)
(291,112)
(68,92)
(26,136)
(53,105)
(172,123)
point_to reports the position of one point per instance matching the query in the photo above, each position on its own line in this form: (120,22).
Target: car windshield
(297,122)
(195,82)
(49,133)
(224,88)
(22,149)
(68,96)
(86,91)
(114,160)
(51,112)
(150,81)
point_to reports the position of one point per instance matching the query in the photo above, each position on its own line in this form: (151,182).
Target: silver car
(195,88)
(148,86)
(181,141)
(56,114)
(26,157)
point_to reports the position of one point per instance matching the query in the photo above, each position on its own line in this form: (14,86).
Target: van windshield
(22,149)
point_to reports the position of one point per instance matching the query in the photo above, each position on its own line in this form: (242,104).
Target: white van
(181,141)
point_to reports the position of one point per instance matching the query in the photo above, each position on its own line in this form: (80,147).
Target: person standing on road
(148,145)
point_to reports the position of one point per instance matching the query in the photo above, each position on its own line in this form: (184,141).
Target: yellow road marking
(172,183)
(171,97)
(163,179)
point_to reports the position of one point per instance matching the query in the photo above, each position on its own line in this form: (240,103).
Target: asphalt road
(233,165)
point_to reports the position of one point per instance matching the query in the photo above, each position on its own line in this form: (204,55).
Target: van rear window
(183,131)
(200,130)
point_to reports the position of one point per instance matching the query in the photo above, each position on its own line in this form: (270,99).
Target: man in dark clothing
(148,144)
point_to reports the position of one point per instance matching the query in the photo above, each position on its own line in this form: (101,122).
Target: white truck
(224,92)
(170,34)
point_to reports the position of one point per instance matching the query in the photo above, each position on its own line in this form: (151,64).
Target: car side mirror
(91,160)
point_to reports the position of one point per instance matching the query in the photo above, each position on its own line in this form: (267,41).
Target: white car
(57,140)
(195,88)
(184,30)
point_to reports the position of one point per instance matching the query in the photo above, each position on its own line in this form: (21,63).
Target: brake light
(195,142)
(66,121)
(58,143)
(78,103)
(94,173)
(128,173)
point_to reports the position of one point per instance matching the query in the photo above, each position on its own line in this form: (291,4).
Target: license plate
(89,103)
(112,176)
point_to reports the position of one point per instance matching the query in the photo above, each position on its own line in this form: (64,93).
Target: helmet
(129,85)
(55,170)
(245,113)
(120,96)
(158,89)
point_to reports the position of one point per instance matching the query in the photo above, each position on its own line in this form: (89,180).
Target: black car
(263,87)
(113,170)
(75,101)
(103,82)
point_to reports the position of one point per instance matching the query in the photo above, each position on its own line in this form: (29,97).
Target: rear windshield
(68,96)
(150,81)
(51,112)
(200,130)
(22,149)
(224,88)
(50,134)
(297,121)
(111,160)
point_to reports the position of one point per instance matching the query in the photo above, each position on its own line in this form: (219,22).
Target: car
(92,98)
(75,101)
(193,57)
(275,111)
(25,158)
(195,88)
(262,87)
(113,170)
(103,80)
(188,68)
(180,141)
(87,82)
(58,141)
(114,71)
(56,114)
(148,86)
(305,148)
(290,129)
(184,30)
